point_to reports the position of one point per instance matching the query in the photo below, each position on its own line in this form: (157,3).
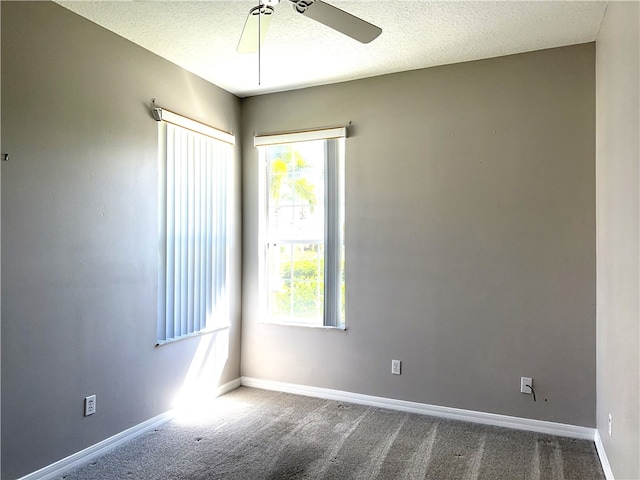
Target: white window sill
(201,333)
(301,324)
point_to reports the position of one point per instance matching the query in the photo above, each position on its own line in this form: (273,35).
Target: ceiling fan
(259,19)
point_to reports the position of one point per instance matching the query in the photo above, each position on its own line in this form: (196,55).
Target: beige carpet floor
(255,434)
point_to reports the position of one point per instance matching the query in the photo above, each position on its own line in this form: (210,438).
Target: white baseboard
(540,426)
(57,469)
(604,461)
(228,387)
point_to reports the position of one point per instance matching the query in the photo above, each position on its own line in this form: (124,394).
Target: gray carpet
(257,434)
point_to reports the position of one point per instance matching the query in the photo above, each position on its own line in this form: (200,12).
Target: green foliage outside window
(301,292)
(287,182)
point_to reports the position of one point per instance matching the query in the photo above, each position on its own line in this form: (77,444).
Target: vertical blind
(196,236)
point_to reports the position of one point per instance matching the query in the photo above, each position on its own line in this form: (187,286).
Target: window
(302,253)
(195,166)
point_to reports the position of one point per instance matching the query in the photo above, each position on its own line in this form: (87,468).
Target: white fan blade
(341,21)
(256,22)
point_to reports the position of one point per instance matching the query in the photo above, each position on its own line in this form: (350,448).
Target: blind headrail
(163,115)
(299,136)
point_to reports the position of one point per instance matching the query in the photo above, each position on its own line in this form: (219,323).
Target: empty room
(323,240)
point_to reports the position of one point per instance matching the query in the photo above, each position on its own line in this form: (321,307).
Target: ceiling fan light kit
(259,19)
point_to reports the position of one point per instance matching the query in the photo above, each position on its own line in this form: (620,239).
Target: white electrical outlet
(395,367)
(524,381)
(610,421)
(89,405)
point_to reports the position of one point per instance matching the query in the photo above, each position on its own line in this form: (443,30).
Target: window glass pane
(308,282)
(296,191)
(280,281)
(296,283)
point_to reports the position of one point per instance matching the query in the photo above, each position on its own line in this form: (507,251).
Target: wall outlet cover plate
(395,367)
(89,405)
(524,381)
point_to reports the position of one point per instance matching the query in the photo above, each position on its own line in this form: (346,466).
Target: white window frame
(195,168)
(334,220)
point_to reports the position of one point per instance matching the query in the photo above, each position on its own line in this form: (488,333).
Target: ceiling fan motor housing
(302,5)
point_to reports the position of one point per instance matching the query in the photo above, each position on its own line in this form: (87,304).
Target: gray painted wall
(0,238)
(79,237)
(471,243)
(618,239)
(470,237)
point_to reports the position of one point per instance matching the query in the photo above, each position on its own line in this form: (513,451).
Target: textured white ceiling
(201,36)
